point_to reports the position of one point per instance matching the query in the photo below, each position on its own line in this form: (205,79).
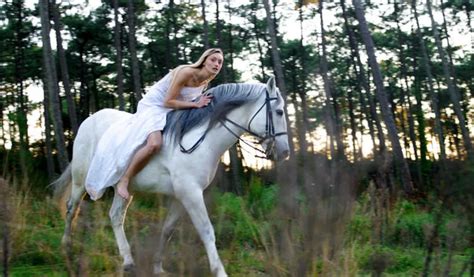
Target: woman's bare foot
(122,188)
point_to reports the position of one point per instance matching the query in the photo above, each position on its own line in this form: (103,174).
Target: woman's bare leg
(139,160)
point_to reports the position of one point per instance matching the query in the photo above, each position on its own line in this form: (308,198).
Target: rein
(269,130)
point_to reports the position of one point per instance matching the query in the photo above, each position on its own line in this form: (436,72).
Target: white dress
(123,138)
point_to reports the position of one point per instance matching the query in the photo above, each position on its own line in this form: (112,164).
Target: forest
(380,109)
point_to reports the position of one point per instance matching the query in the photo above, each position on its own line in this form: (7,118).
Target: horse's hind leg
(117,216)
(175,212)
(72,205)
(72,208)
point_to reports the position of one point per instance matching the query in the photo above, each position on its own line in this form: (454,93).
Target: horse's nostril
(285,154)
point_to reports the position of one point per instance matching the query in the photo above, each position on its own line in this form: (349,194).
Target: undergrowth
(393,242)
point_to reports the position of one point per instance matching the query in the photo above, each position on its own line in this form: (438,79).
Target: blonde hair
(199,63)
(207,53)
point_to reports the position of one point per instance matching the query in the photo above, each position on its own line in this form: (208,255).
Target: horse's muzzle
(278,156)
(285,155)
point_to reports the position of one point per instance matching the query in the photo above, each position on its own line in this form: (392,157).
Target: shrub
(234,223)
(410,225)
(261,199)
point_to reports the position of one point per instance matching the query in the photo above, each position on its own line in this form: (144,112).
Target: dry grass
(328,233)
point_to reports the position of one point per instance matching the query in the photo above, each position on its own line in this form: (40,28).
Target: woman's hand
(203,101)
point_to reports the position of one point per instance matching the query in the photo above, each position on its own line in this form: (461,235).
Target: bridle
(269,130)
(269,127)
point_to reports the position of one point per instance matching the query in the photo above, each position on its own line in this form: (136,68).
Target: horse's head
(263,117)
(270,124)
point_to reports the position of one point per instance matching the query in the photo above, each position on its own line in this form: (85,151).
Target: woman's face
(213,63)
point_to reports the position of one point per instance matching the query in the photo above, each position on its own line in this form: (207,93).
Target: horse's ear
(271,85)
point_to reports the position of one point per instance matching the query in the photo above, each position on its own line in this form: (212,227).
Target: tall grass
(333,233)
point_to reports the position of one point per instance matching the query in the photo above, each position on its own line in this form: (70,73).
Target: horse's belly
(154,178)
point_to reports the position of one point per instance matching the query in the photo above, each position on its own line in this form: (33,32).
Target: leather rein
(269,130)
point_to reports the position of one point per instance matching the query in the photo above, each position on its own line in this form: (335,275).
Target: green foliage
(409,229)
(243,260)
(242,219)
(261,199)
(244,226)
(234,222)
(35,237)
(393,260)
(359,228)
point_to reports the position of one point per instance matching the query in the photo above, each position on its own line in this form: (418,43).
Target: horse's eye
(279,112)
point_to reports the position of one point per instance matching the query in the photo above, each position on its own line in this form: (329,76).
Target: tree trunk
(289,190)
(174,26)
(352,118)
(220,41)
(132,42)
(205,25)
(419,114)
(277,65)
(404,76)
(71,105)
(118,56)
(230,51)
(94,103)
(47,134)
(236,166)
(257,38)
(5,223)
(169,59)
(448,44)
(53,88)
(452,90)
(12,124)
(235,151)
(2,124)
(333,125)
(432,241)
(278,68)
(298,120)
(301,90)
(369,110)
(469,6)
(429,75)
(382,97)
(405,95)
(22,111)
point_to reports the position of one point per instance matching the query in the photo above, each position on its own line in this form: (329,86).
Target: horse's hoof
(65,241)
(159,271)
(129,268)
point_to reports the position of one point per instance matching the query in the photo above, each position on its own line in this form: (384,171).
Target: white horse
(178,172)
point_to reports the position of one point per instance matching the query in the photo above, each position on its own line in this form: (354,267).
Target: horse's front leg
(175,211)
(117,216)
(193,202)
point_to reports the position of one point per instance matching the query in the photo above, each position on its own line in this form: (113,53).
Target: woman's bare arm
(179,82)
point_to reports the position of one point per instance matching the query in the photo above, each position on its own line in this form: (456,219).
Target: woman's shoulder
(184,76)
(184,71)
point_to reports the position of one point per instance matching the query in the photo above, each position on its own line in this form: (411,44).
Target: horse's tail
(62,189)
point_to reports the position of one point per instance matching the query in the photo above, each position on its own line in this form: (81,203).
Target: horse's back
(89,134)
(92,129)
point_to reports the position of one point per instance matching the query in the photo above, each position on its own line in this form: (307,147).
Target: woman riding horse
(181,170)
(126,147)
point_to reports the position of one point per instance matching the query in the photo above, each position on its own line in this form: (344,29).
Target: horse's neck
(221,138)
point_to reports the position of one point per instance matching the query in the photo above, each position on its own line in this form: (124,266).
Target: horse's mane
(226,98)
